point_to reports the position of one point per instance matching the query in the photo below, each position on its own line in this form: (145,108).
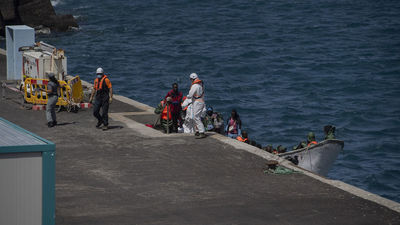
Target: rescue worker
(213,121)
(188,124)
(52,98)
(102,91)
(164,109)
(233,125)
(311,139)
(196,94)
(243,138)
(176,109)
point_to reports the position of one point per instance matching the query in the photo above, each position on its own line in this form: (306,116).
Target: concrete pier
(132,174)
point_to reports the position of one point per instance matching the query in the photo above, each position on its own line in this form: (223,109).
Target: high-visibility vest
(166,111)
(99,85)
(240,138)
(198,81)
(312,143)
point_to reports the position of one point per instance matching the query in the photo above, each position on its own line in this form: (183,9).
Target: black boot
(201,135)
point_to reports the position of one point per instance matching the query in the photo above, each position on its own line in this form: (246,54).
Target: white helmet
(193,76)
(99,70)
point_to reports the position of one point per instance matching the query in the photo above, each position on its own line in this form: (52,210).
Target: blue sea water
(287,66)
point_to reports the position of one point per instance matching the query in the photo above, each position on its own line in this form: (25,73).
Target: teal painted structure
(47,150)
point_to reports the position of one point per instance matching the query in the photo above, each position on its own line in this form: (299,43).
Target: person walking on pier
(102,91)
(52,98)
(196,94)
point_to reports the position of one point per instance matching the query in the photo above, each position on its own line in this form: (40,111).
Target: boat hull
(318,158)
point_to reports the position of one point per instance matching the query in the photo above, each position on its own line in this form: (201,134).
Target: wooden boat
(317,158)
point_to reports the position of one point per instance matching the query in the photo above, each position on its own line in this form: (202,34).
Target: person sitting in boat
(213,121)
(301,145)
(164,109)
(243,138)
(329,131)
(311,139)
(233,125)
(281,149)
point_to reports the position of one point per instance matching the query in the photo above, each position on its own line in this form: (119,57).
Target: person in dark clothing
(176,108)
(329,131)
(52,98)
(102,91)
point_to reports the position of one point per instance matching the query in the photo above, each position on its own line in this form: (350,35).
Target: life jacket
(166,111)
(240,138)
(200,82)
(312,143)
(99,85)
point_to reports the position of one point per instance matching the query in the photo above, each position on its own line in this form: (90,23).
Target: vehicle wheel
(69,108)
(58,108)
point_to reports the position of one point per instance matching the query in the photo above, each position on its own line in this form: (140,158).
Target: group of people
(178,113)
(189,114)
(183,113)
(102,94)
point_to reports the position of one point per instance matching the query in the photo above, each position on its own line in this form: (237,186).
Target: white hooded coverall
(197,96)
(188,125)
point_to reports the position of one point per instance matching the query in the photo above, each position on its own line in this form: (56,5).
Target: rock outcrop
(34,13)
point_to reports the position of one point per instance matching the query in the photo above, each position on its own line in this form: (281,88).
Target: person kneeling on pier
(164,109)
(213,121)
(102,91)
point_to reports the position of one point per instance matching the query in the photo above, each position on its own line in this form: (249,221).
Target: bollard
(167,104)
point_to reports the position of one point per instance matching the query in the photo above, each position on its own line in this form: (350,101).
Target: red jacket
(176,101)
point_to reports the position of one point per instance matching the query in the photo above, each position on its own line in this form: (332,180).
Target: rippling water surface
(288,67)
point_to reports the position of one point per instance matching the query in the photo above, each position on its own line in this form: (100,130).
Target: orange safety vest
(198,81)
(166,111)
(312,143)
(240,138)
(98,86)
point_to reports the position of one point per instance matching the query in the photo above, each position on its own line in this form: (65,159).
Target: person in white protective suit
(196,95)
(188,124)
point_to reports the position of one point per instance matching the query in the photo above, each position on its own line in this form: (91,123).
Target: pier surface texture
(132,174)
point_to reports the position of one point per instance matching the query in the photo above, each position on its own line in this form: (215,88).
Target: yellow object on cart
(33,94)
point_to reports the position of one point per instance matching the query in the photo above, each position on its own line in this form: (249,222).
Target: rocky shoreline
(39,14)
